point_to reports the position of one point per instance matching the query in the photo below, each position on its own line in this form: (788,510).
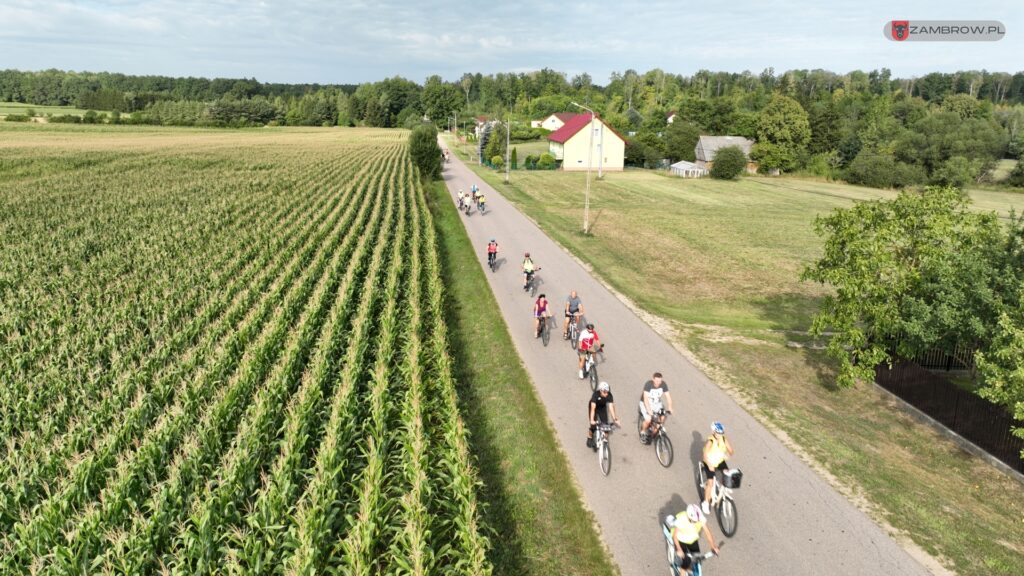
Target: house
(554,121)
(578,149)
(707,146)
(687,170)
(671,117)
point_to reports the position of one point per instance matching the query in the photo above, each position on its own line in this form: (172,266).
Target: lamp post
(508,157)
(590,158)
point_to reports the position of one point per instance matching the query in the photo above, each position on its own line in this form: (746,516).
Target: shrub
(514,161)
(498,162)
(957,171)
(883,171)
(66,119)
(546,161)
(1016,177)
(425,152)
(530,162)
(729,163)
(17,118)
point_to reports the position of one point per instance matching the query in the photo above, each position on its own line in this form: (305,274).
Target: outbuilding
(708,146)
(687,170)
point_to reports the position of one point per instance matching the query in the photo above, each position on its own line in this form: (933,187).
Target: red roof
(574,125)
(565,116)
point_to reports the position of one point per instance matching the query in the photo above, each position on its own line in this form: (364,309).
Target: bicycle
(696,559)
(492,260)
(656,435)
(480,206)
(543,331)
(467,206)
(590,367)
(574,330)
(601,446)
(531,286)
(721,497)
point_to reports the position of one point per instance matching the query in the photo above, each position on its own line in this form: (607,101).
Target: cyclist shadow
(673,506)
(696,453)
(498,263)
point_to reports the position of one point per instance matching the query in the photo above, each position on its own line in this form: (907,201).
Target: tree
(729,163)
(681,140)
(439,100)
(546,161)
(1001,367)
(498,162)
(919,272)
(425,153)
(515,159)
(784,125)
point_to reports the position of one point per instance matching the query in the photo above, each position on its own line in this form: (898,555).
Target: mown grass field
(226,352)
(20,108)
(720,262)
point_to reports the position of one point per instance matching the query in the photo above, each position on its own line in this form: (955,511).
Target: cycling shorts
(719,470)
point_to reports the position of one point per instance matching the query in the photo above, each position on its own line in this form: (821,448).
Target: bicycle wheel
(545,331)
(639,423)
(727,518)
(593,375)
(663,448)
(604,456)
(700,480)
(573,336)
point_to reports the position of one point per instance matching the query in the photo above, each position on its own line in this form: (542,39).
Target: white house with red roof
(554,121)
(578,148)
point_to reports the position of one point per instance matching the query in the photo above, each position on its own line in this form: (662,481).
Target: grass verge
(720,262)
(531,501)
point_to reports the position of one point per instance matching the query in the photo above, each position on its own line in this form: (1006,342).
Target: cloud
(354,40)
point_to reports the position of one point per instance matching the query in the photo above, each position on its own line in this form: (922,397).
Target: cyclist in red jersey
(492,251)
(589,341)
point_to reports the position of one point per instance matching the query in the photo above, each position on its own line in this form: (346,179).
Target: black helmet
(590,326)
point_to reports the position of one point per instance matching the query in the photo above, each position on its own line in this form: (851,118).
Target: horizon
(352,42)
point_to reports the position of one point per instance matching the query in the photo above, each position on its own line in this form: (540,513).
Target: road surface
(791,520)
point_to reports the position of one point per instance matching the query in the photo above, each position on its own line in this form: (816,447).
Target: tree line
(864,127)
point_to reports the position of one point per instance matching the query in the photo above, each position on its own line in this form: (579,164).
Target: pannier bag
(733,478)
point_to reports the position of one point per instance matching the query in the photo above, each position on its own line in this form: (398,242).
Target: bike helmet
(603,386)
(694,513)
(717,427)
(590,326)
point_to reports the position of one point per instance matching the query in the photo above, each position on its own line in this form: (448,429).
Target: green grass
(536,148)
(1003,169)
(19,108)
(720,261)
(532,503)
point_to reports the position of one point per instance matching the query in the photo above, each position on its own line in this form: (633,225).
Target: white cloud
(353,40)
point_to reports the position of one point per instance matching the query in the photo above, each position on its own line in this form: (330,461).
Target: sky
(351,41)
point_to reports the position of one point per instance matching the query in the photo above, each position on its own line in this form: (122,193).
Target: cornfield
(224,352)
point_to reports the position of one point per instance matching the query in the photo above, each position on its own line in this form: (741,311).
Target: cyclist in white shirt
(651,402)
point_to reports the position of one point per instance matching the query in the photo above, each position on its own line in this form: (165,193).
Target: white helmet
(694,513)
(603,386)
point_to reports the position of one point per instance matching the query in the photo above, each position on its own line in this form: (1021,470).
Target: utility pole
(508,153)
(590,159)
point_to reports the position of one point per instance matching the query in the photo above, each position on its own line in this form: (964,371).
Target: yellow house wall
(574,156)
(552,123)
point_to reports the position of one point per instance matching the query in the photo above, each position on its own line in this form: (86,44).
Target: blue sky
(354,41)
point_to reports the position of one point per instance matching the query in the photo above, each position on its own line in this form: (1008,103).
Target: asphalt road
(791,520)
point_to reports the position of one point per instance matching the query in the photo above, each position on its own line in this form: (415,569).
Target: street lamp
(590,157)
(508,157)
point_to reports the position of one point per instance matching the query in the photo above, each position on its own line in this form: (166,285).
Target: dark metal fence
(987,425)
(961,358)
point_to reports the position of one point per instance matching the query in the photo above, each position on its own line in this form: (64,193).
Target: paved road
(790,519)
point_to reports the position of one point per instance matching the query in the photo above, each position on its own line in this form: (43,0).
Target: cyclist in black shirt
(601,405)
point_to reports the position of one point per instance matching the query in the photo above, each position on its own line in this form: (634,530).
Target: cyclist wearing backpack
(589,343)
(492,251)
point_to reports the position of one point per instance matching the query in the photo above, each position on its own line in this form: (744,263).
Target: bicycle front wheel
(573,338)
(593,376)
(663,448)
(699,479)
(604,456)
(727,518)
(545,331)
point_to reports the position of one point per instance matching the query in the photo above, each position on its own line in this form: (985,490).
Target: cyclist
(462,196)
(492,251)
(573,312)
(528,270)
(480,201)
(686,530)
(589,342)
(651,403)
(601,405)
(716,450)
(540,314)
